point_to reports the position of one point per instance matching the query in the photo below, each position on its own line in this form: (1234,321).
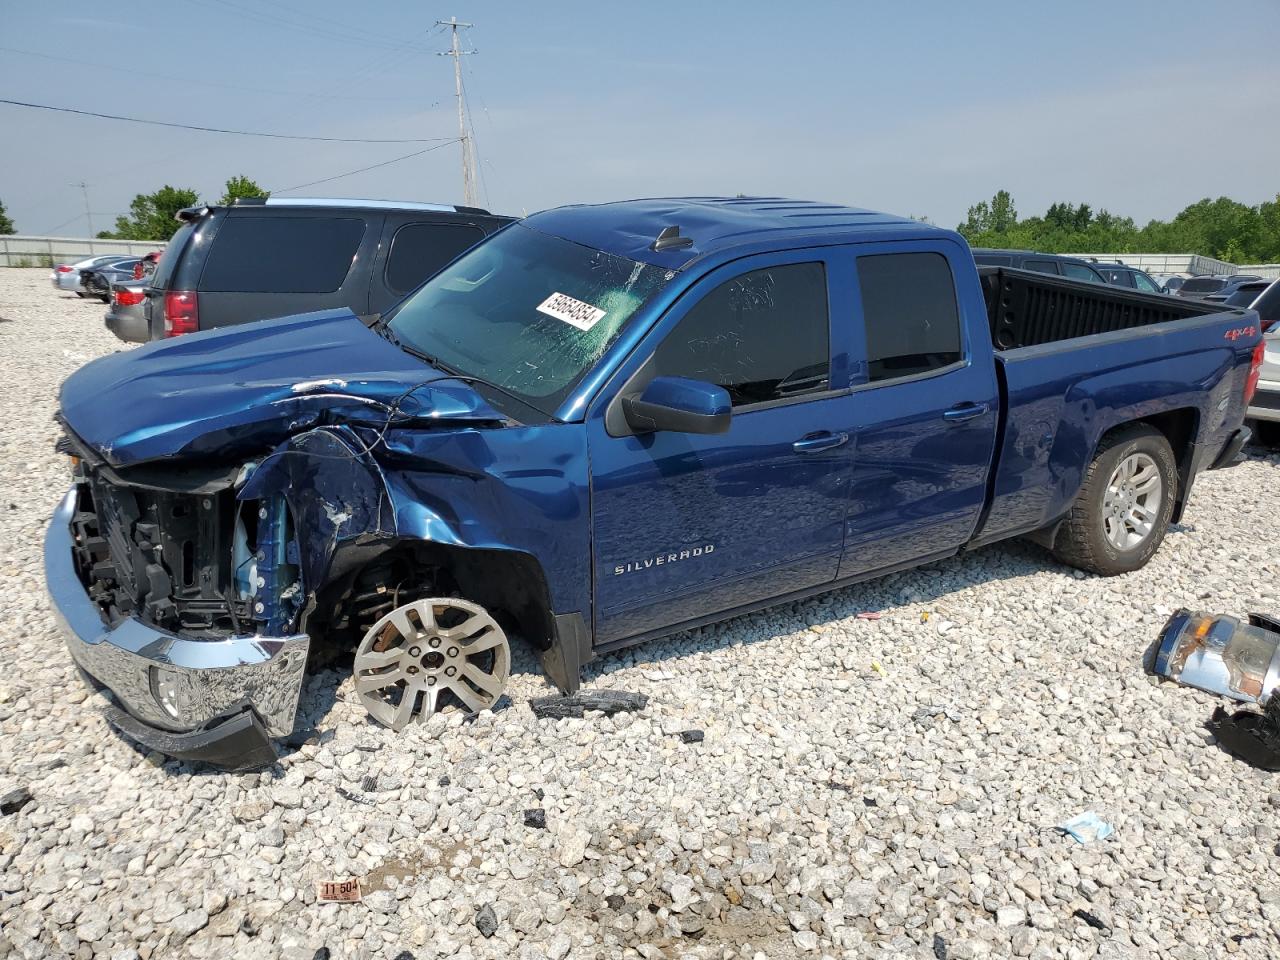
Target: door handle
(816,443)
(965,411)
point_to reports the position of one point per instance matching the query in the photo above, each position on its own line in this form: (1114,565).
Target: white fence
(1189,263)
(22,251)
(1192,263)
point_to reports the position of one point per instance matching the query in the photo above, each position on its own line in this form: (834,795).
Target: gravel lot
(866,788)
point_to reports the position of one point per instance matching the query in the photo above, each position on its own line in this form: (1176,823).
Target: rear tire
(1122,512)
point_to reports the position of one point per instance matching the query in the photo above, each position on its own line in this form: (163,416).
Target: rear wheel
(1122,512)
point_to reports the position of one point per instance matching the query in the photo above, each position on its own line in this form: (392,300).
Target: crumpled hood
(249,387)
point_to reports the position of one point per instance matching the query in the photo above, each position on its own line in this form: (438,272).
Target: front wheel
(1122,512)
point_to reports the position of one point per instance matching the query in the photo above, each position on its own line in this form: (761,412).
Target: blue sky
(916,108)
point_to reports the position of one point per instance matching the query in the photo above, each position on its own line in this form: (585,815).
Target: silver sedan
(66,276)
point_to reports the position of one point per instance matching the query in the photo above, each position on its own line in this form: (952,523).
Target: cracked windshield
(526,311)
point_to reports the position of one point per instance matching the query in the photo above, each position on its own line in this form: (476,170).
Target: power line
(343,25)
(373,166)
(238,133)
(192,79)
(324,33)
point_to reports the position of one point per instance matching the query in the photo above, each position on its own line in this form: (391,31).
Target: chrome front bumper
(167,681)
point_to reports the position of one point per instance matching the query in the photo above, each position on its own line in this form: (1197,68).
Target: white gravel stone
(835,808)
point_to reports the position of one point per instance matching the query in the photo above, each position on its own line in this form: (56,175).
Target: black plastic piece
(670,239)
(238,744)
(607,702)
(570,649)
(1230,455)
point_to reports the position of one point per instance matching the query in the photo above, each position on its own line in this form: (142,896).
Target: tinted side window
(1079,271)
(762,336)
(1040,266)
(1145,283)
(992,260)
(281,255)
(419,250)
(909,307)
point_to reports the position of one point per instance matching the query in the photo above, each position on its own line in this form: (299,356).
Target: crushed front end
(181,599)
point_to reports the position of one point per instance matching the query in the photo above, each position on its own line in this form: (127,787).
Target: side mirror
(680,405)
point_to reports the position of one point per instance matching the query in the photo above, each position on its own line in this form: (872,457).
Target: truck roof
(715,226)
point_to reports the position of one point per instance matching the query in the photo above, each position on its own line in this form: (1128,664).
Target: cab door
(925,407)
(687,526)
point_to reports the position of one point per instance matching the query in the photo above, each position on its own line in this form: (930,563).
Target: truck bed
(1025,309)
(1074,359)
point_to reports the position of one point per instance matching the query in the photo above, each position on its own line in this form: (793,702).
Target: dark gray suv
(259,258)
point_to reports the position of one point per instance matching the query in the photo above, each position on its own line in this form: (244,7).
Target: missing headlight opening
(193,561)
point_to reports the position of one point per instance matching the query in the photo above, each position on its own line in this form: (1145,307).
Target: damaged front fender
(511,504)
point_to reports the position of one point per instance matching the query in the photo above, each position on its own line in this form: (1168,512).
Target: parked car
(125,317)
(1053,263)
(596,428)
(1169,283)
(1205,287)
(146,265)
(1263,296)
(97,280)
(1122,275)
(257,259)
(66,276)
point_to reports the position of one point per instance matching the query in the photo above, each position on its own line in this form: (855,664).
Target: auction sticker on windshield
(573,312)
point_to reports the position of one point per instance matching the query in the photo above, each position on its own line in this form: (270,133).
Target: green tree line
(1223,228)
(151,215)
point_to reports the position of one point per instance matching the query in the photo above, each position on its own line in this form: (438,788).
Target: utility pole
(84,188)
(464,136)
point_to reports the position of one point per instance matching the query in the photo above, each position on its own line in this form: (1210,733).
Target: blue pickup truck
(605,424)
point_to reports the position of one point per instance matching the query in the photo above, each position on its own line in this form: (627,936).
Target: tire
(1087,540)
(82,296)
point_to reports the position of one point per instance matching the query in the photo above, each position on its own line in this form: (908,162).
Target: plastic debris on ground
(1250,736)
(1220,654)
(607,702)
(1086,827)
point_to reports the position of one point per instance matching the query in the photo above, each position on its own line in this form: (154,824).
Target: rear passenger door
(925,404)
(264,265)
(412,250)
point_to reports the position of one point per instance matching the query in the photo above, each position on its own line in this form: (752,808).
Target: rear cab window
(282,254)
(910,314)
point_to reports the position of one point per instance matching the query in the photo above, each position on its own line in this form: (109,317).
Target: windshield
(527,312)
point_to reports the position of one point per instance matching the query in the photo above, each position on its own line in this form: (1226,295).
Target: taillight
(63,268)
(128,298)
(1268,324)
(181,313)
(1255,371)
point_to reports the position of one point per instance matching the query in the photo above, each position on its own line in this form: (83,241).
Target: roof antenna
(670,239)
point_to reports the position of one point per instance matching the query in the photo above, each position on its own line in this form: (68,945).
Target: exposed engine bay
(187,557)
